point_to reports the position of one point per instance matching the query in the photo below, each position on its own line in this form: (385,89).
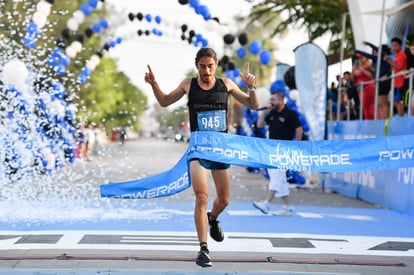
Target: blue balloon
(204,42)
(300,180)
(278,86)
(242,84)
(255,47)
(104,23)
(291,104)
(57,52)
(204,11)
(32,29)
(236,72)
(229,74)
(93,3)
(82,78)
(96,27)
(119,40)
(59,90)
(60,54)
(85,71)
(86,9)
(112,44)
(199,37)
(305,126)
(265,57)
(158,19)
(194,3)
(65,60)
(29,41)
(301,117)
(52,60)
(148,17)
(60,69)
(241,52)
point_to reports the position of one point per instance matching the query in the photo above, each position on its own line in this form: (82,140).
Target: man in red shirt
(398,65)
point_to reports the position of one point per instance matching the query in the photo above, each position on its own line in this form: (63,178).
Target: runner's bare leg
(199,180)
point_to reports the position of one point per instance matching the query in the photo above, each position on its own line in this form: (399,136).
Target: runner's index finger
(149,68)
(247,68)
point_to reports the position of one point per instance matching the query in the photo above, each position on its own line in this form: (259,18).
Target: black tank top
(200,100)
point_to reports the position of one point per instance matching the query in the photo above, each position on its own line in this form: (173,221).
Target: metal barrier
(347,106)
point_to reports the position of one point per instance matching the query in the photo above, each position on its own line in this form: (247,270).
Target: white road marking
(186,241)
(311,215)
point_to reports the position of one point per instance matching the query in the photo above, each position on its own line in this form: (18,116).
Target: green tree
(318,17)
(109,98)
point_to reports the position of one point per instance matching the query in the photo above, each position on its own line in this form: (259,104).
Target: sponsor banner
(318,156)
(392,188)
(400,126)
(164,184)
(281,69)
(314,156)
(311,72)
(355,129)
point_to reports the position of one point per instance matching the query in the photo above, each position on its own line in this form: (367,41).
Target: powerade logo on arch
(168,189)
(393,155)
(297,160)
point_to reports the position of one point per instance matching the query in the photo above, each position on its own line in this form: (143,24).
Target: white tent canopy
(393,10)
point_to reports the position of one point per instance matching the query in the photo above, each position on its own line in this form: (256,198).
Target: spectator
(409,52)
(384,82)
(362,71)
(332,102)
(90,140)
(398,64)
(80,141)
(350,95)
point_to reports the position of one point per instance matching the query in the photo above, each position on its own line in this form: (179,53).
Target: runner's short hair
(205,52)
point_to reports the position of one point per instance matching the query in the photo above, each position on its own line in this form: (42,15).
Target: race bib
(212,121)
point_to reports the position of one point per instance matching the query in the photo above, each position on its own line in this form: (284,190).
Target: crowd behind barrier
(392,188)
(351,110)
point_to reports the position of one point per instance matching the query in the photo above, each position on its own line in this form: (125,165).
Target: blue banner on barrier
(390,188)
(318,156)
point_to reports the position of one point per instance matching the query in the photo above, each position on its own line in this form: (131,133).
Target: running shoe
(263,207)
(203,259)
(284,211)
(215,230)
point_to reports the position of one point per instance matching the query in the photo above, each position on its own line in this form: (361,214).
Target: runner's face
(206,67)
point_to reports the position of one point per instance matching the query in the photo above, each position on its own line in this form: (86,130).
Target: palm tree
(318,17)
